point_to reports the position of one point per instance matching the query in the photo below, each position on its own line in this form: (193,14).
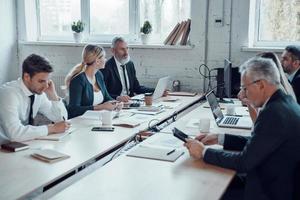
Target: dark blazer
(81,94)
(113,82)
(270,156)
(296,85)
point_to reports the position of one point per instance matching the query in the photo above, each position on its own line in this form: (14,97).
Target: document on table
(162,154)
(58,136)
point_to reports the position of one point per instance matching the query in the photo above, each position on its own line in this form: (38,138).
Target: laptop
(226,121)
(161,86)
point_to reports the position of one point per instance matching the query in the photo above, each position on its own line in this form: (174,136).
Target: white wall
(221,42)
(8,41)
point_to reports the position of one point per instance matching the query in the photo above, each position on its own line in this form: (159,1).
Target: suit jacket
(270,156)
(113,81)
(296,85)
(82,94)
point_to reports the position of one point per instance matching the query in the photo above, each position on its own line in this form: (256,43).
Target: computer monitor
(226,88)
(227,78)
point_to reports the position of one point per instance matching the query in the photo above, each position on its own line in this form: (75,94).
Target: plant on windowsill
(146,29)
(77,28)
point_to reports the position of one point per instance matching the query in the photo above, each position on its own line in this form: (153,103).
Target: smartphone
(180,135)
(103,128)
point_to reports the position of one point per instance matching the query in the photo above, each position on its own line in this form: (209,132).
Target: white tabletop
(136,178)
(21,174)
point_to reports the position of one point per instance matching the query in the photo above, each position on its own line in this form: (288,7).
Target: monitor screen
(227,78)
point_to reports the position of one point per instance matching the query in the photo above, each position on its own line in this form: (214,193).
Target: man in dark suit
(270,156)
(290,60)
(120,75)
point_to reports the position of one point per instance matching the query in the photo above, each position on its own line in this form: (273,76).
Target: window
(163,15)
(55,16)
(104,19)
(277,22)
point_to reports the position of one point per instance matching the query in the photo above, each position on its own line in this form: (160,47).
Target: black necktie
(125,79)
(30,121)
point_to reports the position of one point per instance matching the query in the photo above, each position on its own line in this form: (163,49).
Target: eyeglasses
(244,87)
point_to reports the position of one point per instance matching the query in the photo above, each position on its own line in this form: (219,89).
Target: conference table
(23,177)
(138,178)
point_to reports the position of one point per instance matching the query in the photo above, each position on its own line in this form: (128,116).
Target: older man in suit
(290,60)
(120,75)
(270,157)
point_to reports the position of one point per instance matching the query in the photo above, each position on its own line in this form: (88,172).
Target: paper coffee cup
(204,125)
(106,118)
(230,109)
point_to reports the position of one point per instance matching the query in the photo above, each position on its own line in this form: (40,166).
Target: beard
(124,61)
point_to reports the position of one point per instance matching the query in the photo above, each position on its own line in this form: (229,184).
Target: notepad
(127,124)
(49,155)
(162,154)
(58,136)
(187,94)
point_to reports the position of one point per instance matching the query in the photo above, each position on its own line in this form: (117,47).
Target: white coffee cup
(204,125)
(230,109)
(106,118)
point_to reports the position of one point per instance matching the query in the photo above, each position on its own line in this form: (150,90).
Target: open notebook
(156,153)
(58,136)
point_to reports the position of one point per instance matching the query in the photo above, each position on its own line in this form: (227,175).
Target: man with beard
(290,60)
(22,99)
(120,75)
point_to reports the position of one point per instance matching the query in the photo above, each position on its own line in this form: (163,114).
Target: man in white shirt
(22,99)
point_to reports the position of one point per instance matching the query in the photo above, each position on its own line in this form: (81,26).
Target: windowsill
(260,49)
(136,46)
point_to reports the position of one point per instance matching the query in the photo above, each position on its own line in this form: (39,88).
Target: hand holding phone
(103,128)
(180,135)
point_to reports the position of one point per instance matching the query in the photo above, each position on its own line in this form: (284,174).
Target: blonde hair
(284,83)
(89,55)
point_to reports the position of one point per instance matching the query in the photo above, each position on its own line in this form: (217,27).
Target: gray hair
(116,40)
(261,69)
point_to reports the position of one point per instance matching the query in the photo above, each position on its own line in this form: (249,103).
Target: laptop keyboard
(231,120)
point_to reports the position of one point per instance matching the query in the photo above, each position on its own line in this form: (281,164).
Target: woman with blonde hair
(284,84)
(87,90)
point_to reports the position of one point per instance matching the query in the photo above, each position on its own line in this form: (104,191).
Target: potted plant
(77,28)
(146,29)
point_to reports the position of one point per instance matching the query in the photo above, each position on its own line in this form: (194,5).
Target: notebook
(162,154)
(185,94)
(49,155)
(127,124)
(226,121)
(14,146)
(58,136)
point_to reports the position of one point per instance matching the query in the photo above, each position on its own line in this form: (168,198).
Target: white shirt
(120,70)
(291,76)
(98,98)
(14,112)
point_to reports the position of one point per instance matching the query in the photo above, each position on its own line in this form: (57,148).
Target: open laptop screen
(214,105)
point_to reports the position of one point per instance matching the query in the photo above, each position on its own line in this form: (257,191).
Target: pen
(171,152)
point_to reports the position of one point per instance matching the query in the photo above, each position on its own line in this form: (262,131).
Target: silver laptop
(226,121)
(161,86)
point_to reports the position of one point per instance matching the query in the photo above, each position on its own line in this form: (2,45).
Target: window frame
(132,37)
(254,29)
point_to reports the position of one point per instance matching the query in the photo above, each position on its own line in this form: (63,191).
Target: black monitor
(226,89)
(227,78)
